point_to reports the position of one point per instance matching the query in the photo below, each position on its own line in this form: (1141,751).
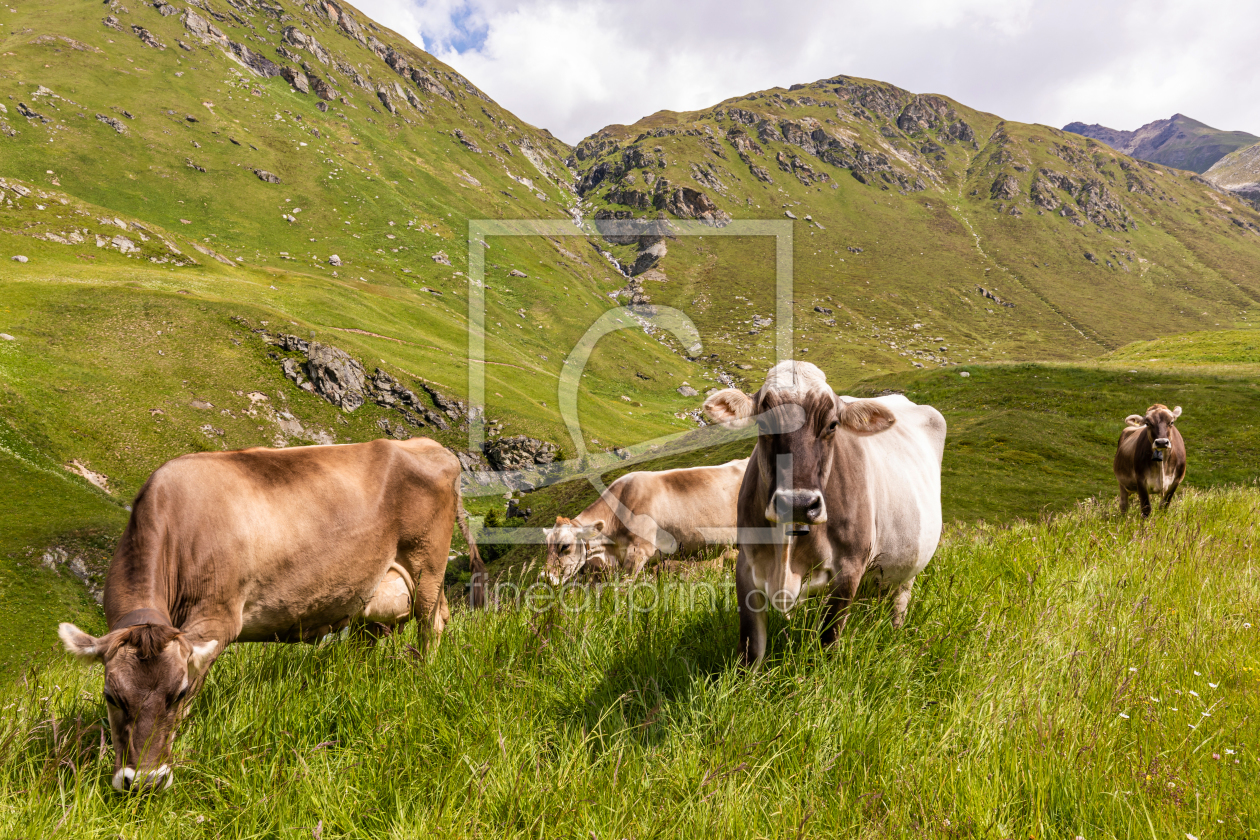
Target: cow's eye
(832,426)
(179,698)
(111,700)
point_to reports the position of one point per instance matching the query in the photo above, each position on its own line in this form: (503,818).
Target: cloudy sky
(574,66)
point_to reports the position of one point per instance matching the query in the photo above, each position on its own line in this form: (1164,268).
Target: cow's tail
(477,597)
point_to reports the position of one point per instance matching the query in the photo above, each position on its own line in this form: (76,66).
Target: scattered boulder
(517,273)
(687,391)
(20,258)
(269,177)
(441,258)
(147,37)
(6,337)
(336,376)
(117,125)
(334,260)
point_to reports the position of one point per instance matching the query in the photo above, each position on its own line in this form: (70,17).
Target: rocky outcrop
(519,453)
(202,28)
(259,64)
(335,375)
(339,378)
(686,203)
(296,78)
(1004,188)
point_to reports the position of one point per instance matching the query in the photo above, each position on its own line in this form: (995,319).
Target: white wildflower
(1194,694)
(1123,715)
(1213,685)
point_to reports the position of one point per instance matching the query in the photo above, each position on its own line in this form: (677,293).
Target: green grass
(1077,676)
(1220,347)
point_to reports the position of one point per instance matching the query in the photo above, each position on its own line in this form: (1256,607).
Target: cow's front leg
(1124,500)
(836,614)
(1144,499)
(752,612)
(901,603)
(636,557)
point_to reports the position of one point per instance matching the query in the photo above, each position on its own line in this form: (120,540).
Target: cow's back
(696,505)
(299,536)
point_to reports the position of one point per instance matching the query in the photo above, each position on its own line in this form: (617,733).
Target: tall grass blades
(1081,676)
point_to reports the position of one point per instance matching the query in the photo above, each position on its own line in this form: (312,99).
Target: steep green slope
(1177,141)
(1000,240)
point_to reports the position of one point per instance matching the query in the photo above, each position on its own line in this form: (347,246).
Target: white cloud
(574,66)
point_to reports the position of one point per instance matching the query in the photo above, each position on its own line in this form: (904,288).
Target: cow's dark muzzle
(797,510)
(1161,446)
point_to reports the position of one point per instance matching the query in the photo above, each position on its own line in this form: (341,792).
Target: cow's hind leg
(430,611)
(901,603)
(1124,500)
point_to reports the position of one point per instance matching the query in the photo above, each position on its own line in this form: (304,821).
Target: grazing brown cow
(264,545)
(644,512)
(1150,457)
(839,493)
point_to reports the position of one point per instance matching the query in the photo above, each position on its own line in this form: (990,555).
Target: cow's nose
(1161,443)
(805,506)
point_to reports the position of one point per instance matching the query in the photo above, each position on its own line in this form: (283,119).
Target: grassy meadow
(1077,676)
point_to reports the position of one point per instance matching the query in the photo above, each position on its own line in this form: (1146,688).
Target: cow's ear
(865,417)
(80,644)
(1135,420)
(593,530)
(1176,413)
(731,407)
(201,657)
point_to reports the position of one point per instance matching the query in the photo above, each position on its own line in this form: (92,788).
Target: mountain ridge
(1177,141)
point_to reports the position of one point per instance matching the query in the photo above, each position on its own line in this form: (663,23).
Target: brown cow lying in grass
(264,545)
(1150,457)
(642,513)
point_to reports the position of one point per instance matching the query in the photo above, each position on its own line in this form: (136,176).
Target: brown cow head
(568,545)
(798,417)
(1157,425)
(149,671)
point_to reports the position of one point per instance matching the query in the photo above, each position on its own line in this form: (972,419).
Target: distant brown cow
(1150,457)
(644,512)
(264,545)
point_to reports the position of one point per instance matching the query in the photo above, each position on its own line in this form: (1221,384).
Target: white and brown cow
(264,545)
(644,512)
(838,492)
(1150,457)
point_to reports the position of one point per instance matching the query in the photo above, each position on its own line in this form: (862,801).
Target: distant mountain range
(1177,141)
